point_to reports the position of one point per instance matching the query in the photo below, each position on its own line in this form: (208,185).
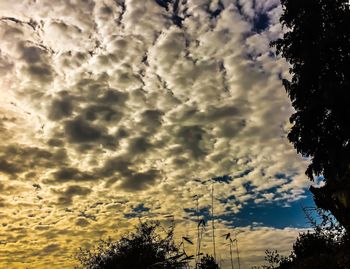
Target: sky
(112,111)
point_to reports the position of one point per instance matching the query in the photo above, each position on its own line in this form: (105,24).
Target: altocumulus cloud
(112,104)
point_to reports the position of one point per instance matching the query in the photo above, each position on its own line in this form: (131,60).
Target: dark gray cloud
(80,131)
(151,119)
(18,158)
(66,196)
(3,203)
(230,128)
(93,111)
(60,108)
(120,169)
(40,72)
(217,113)
(54,247)
(32,54)
(117,164)
(65,174)
(140,180)
(139,145)
(82,222)
(102,113)
(113,97)
(191,138)
(9,168)
(54,142)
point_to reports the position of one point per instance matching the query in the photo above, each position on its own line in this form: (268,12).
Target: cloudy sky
(115,110)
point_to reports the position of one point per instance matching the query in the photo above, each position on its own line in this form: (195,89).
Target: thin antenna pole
(239,264)
(198,242)
(232,267)
(212,219)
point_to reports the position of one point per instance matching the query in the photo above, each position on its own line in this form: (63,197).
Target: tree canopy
(143,249)
(317,45)
(324,247)
(207,262)
(150,246)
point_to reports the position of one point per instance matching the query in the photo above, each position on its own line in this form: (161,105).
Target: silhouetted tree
(324,248)
(143,249)
(310,251)
(317,45)
(207,262)
(274,260)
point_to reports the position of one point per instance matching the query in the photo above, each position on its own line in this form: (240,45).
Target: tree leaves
(187,239)
(316,44)
(142,249)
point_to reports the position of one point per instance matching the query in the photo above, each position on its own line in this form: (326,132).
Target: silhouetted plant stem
(228,236)
(202,224)
(198,240)
(232,267)
(239,263)
(212,219)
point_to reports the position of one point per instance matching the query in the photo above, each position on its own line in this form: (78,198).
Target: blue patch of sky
(244,173)
(203,212)
(249,188)
(215,12)
(261,22)
(319,179)
(280,175)
(280,76)
(137,211)
(140,208)
(131,215)
(271,54)
(225,200)
(275,215)
(224,179)
(272,214)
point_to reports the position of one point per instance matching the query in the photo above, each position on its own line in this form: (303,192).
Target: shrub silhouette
(310,251)
(143,249)
(327,247)
(207,262)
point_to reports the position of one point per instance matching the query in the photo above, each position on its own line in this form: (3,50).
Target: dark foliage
(311,251)
(327,247)
(207,262)
(142,249)
(317,45)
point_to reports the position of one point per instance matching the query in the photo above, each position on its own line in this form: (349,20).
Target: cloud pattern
(107,105)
